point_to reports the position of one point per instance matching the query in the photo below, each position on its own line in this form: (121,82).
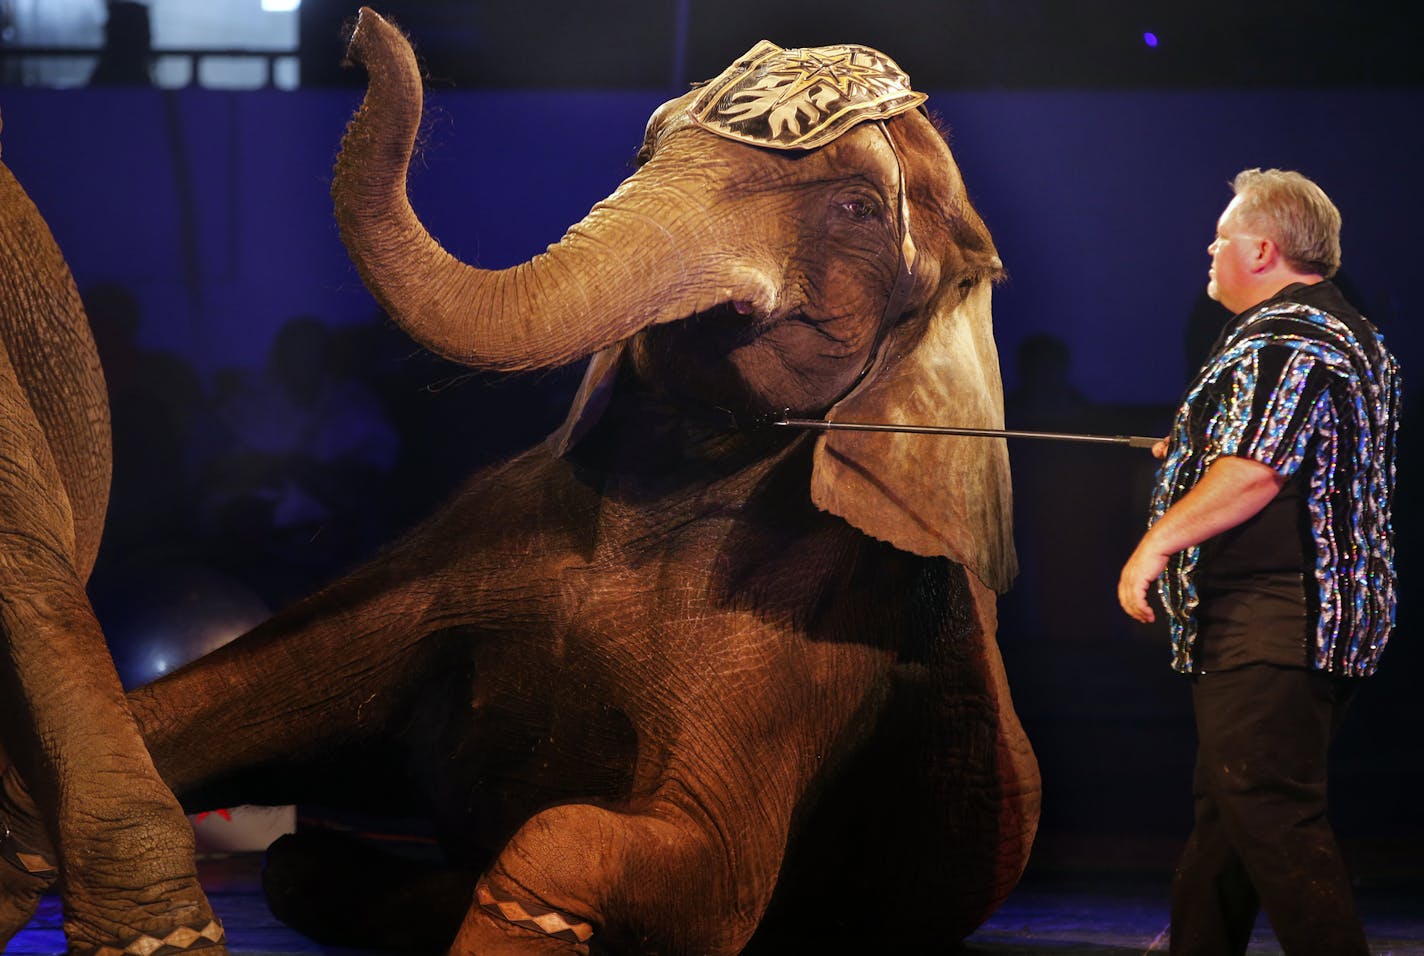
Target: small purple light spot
(1150,39)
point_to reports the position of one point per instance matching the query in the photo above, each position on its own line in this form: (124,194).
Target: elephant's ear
(928,494)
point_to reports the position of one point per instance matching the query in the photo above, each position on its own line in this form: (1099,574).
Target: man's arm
(1232,490)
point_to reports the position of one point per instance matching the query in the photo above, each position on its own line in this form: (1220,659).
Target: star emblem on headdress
(838,72)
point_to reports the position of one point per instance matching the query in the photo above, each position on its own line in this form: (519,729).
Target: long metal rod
(1131,441)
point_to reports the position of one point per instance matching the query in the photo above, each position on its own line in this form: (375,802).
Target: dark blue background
(214,207)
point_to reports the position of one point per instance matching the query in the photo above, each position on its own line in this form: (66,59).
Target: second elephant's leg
(260,719)
(123,848)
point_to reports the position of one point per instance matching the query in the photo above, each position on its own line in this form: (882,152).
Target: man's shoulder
(1313,311)
(1322,296)
(1323,328)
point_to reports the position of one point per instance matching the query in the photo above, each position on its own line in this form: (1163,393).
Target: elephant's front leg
(584,879)
(119,839)
(688,868)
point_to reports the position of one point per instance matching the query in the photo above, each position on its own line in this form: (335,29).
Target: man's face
(1233,257)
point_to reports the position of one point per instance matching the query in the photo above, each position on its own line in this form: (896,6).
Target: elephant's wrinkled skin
(125,848)
(694,689)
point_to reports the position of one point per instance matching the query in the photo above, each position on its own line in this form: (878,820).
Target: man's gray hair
(1295,214)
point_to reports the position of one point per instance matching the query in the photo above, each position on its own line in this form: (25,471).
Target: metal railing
(12,59)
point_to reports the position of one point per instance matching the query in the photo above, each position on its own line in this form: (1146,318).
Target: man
(1271,520)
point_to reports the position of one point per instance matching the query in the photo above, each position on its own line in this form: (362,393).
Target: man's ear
(1265,255)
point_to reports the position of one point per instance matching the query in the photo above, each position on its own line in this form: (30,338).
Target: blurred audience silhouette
(126,58)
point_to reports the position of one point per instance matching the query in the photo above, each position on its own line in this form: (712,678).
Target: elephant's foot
(139,903)
(20,895)
(120,896)
(156,908)
(147,921)
(207,937)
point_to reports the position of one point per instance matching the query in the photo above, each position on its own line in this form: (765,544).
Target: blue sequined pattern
(1294,387)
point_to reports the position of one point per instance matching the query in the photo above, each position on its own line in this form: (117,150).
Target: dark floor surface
(1079,896)
(1086,894)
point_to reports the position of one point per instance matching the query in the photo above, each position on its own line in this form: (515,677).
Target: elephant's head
(797,236)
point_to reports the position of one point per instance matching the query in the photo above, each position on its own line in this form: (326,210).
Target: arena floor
(1074,899)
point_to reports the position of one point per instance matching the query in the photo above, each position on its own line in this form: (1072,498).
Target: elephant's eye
(861,210)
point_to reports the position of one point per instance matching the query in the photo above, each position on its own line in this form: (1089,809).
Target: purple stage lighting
(1150,39)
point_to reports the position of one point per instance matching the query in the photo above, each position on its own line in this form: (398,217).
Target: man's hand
(1232,490)
(1141,570)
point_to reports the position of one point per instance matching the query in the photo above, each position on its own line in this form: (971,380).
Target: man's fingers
(1132,595)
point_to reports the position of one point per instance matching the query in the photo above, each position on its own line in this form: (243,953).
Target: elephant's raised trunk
(619,270)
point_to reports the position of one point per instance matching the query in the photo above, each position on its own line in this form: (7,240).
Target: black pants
(1261,839)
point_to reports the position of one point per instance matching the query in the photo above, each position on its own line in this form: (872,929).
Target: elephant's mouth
(740,360)
(725,327)
(732,325)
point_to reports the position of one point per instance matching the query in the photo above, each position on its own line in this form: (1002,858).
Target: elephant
(674,680)
(79,777)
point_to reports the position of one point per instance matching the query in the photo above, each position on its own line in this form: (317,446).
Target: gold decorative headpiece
(801,99)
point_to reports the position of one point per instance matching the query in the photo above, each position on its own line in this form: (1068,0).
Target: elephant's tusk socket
(1131,441)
